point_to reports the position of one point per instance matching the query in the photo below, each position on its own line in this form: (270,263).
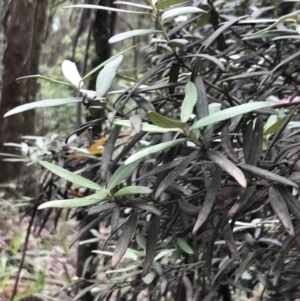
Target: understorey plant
(196,174)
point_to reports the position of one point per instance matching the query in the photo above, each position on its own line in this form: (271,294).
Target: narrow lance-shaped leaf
(74,203)
(125,238)
(43,104)
(108,151)
(171,176)
(167,3)
(106,76)
(220,30)
(231,112)
(291,201)
(209,200)
(154,149)
(146,127)
(69,176)
(121,174)
(228,236)
(268,175)
(107,61)
(280,208)
(138,204)
(45,78)
(165,122)
(151,243)
(131,34)
(202,103)
(129,190)
(184,246)
(107,8)
(189,101)
(227,165)
(179,11)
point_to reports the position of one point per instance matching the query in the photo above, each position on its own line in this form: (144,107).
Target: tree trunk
(24,24)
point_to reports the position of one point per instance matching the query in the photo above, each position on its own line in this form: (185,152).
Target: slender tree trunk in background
(102,31)
(24,25)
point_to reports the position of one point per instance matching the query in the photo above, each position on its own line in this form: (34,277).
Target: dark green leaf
(220,30)
(268,175)
(174,174)
(108,151)
(165,122)
(209,57)
(151,243)
(280,208)
(143,206)
(188,288)
(188,208)
(228,236)
(209,200)
(201,104)
(276,126)
(228,166)
(173,78)
(291,201)
(125,238)
(115,218)
(247,75)
(167,3)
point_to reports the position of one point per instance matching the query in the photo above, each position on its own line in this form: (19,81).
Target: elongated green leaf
(45,78)
(107,8)
(133,4)
(131,34)
(220,30)
(43,104)
(265,174)
(291,201)
(179,11)
(231,112)
(167,3)
(209,200)
(151,243)
(165,122)
(271,34)
(125,238)
(228,236)
(290,17)
(129,190)
(107,76)
(209,57)
(177,42)
(154,149)
(227,165)
(74,203)
(121,174)
(107,61)
(146,127)
(202,103)
(281,210)
(69,176)
(188,208)
(143,206)
(247,75)
(171,176)
(189,101)
(276,126)
(184,246)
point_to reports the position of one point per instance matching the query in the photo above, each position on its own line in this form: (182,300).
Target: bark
(24,24)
